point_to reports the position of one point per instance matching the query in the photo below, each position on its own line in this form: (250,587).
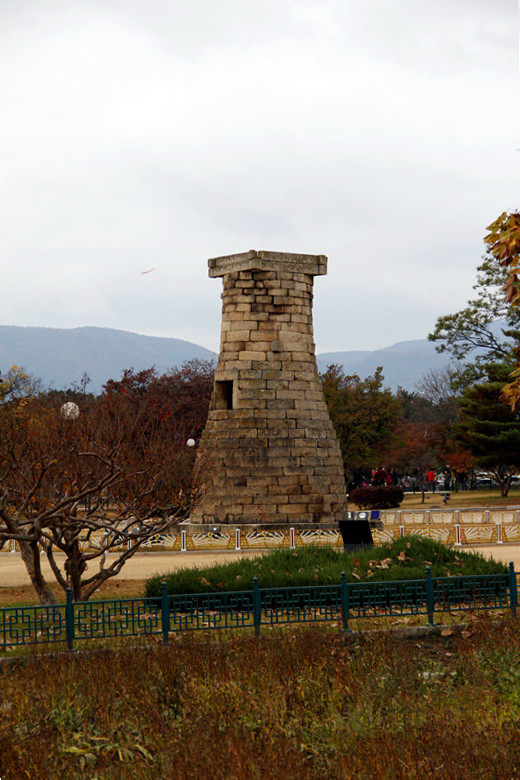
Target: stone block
(287,491)
(238,334)
(292,393)
(291,480)
(262,365)
(281,403)
(251,403)
(266,334)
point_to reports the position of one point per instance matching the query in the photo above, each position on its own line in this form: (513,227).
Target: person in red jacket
(432,480)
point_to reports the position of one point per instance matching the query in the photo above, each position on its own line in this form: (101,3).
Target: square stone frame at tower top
(268,453)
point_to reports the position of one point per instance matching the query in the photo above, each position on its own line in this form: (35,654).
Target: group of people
(381,476)
(429,480)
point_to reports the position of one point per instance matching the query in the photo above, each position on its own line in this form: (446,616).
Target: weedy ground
(304,703)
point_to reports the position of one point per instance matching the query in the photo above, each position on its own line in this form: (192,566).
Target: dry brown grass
(112,589)
(301,703)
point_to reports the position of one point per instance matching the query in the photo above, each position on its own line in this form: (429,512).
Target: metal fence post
(69,619)
(257,609)
(344,601)
(165,613)
(513,592)
(430,600)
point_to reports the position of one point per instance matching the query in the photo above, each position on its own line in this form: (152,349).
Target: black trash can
(356,532)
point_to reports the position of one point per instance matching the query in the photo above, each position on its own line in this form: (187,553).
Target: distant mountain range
(61,356)
(404,363)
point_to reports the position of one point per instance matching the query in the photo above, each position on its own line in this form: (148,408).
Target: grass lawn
(404,559)
(461,500)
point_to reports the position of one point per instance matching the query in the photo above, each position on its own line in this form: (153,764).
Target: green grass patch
(404,559)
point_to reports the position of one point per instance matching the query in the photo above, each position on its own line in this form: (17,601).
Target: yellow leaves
(503,240)
(511,288)
(511,392)
(205,581)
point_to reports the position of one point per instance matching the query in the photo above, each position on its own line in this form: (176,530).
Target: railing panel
(32,625)
(203,611)
(117,618)
(457,594)
(375,599)
(313,603)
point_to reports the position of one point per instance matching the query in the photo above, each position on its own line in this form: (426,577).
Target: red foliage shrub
(383,497)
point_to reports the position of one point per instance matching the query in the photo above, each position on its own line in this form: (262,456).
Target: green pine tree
(489,429)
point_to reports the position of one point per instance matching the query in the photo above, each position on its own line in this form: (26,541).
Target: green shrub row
(404,559)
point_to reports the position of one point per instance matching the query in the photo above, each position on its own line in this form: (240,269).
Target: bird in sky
(147,272)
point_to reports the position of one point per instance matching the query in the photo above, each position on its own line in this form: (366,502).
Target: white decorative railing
(470,526)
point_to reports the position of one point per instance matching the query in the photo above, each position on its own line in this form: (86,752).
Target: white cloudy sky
(159,133)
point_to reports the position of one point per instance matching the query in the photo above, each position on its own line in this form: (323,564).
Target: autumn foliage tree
(503,240)
(365,417)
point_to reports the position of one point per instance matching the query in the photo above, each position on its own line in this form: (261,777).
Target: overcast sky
(139,134)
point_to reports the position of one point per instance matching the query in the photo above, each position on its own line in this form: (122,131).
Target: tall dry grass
(298,703)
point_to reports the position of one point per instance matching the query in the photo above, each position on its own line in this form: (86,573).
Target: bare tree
(438,386)
(85,480)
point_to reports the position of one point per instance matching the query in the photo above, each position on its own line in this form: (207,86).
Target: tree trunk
(75,565)
(30,552)
(505,484)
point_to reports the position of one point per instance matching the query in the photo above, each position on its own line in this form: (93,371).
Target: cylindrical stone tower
(268,453)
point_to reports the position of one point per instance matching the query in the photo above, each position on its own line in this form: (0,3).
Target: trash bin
(356,532)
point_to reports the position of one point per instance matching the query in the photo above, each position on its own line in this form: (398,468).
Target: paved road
(143,565)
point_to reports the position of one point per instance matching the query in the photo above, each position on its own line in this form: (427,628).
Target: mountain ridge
(60,356)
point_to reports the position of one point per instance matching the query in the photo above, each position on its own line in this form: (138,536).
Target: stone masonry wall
(269,452)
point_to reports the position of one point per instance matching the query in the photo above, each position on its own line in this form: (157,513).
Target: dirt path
(144,565)
(140,567)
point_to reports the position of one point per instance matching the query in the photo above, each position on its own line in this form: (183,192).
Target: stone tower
(268,453)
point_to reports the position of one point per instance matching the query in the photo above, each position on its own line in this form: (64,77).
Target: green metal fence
(72,623)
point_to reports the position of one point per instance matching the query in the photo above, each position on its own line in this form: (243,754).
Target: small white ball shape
(70,411)
(191,442)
